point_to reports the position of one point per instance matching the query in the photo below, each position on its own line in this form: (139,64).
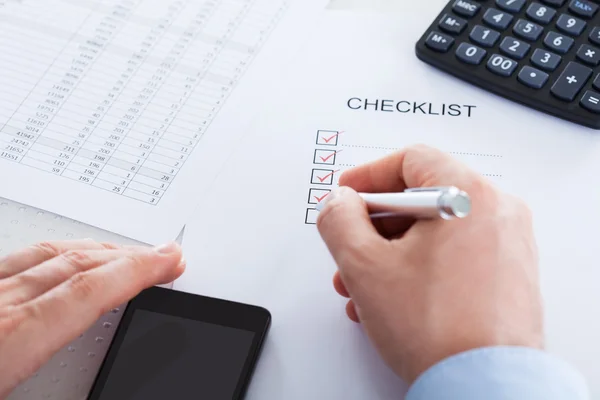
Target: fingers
(415,166)
(392,227)
(351,312)
(33,255)
(339,286)
(346,227)
(35,281)
(55,318)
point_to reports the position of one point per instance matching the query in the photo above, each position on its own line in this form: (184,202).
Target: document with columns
(114,112)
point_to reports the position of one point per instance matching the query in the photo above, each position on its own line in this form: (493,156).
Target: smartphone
(176,345)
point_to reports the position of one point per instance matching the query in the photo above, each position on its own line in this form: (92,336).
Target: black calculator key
(468,8)
(534,78)
(545,59)
(513,6)
(570,81)
(589,54)
(501,65)
(514,48)
(452,24)
(571,25)
(583,8)
(439,42)
(558,42)
(591,101)
(596,82)
(470,53)
(541,13)
(484,36)
(497,19)
(527,30)
(554,3)
(595,36)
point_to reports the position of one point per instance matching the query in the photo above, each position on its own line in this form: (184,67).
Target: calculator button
(439,42)
(513,6)
(467,8)
(583,8)
(591,101)
(545,60)
(570,81)
(571,25)
(527,30)
(596,82)
(497,19)
(558,42)
(554,3)
(514,47)
(540,13)
(452,24)
(595,36)
(501,65)
(470,53)
(484,36)
(534,78)
(589,54)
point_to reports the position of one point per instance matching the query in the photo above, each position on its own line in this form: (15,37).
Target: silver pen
(447,202)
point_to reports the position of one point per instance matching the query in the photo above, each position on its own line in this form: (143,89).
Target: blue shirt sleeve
(500,373)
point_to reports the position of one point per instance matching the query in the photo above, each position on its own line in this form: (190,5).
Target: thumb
(346,228)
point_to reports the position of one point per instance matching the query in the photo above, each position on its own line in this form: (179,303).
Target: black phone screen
(176,345)
(169,357)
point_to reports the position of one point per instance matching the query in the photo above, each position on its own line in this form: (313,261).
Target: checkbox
(328,138)
(322,176)
(311,216)
(315,196)
(326,157)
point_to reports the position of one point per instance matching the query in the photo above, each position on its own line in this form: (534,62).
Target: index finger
(412,167)
(28,257)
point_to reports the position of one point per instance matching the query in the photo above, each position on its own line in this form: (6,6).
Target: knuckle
(82,285)
(76,258)
(48,249)
(11,320)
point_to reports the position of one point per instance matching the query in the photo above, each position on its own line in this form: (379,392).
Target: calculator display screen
(169,357)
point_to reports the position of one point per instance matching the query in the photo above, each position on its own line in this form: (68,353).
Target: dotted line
(398,148)
(476,154)
(370,147)
(493,175)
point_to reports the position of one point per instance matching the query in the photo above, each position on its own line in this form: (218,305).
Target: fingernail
(167,248)
(334,194)
(183,262)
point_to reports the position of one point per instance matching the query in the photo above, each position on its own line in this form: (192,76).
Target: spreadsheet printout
(105,103)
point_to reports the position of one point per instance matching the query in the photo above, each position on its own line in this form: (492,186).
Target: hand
(427,290)
(51,293)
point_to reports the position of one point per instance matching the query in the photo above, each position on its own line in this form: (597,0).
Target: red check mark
(324,159)
(320,199)
(329,139)
(329,175)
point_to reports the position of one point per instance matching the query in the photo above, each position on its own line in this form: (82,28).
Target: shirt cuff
(500,373)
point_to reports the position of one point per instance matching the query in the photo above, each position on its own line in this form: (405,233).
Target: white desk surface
(572,330)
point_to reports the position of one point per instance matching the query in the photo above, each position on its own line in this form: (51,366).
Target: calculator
(541,54)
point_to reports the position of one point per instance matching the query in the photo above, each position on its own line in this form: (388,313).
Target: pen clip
(443,189)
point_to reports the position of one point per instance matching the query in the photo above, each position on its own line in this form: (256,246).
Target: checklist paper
(367,97)
(116,112)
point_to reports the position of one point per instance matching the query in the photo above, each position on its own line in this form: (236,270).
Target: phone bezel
(195,307)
